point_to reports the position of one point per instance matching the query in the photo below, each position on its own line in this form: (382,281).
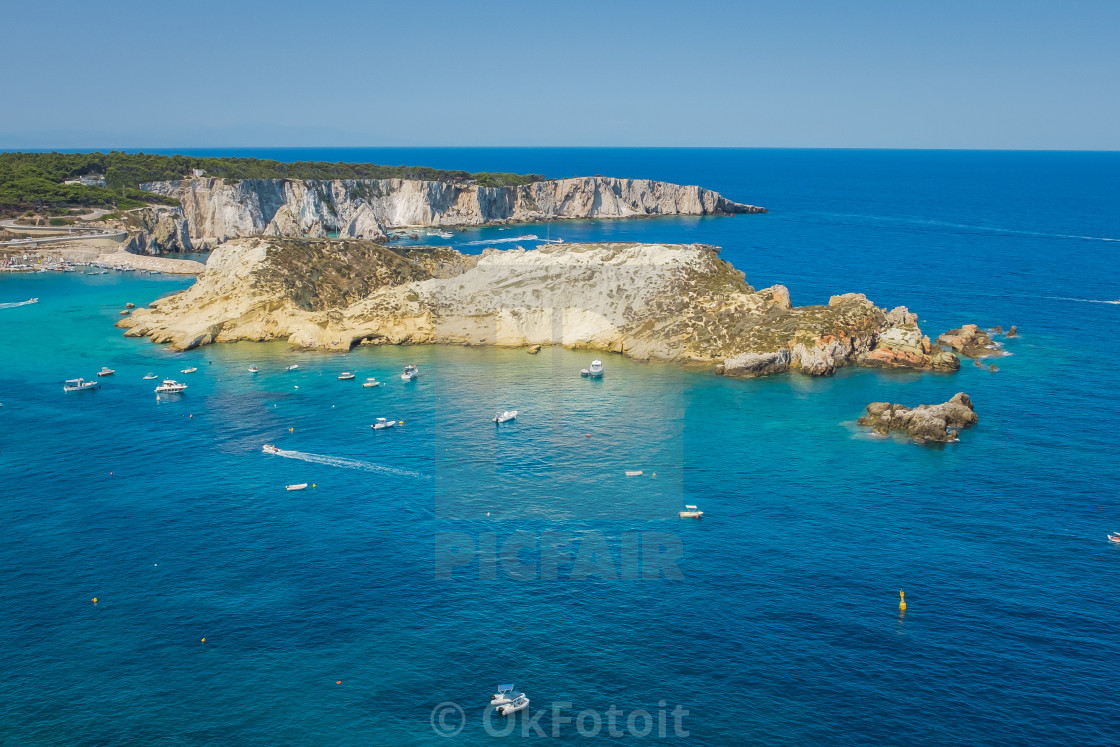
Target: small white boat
(691,512)
(596,369)
(505,417)
(189,369)
(1114,537)
(345,376)
(505,694)
(253,368)
(170,386)
(633,472)
(441,234)
(297,486)
(292,367)
(78,385)
(410,373)
(149,376)
(519,704)
(382,424)
(106,371)
(584,372)
(270,449)
(371,381)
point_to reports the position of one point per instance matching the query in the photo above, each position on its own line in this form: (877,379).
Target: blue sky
(862,73)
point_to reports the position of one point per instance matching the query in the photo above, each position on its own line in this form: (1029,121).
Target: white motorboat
(596,369)
(170,386)
(78,385)
(345,376)
(505,417)
(519,704)
(270,449)
(505,695)
(633,472)
(382,424)
(253,368)
(149,376)
(441,234)
(292,367)
(410,373)
(371,381)
(106,371)
(691,512)
(297,486)
(189,369)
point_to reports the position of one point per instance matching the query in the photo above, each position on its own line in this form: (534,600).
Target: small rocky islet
(924,423)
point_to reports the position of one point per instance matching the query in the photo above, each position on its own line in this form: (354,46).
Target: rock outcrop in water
(971,341)
(939,423)
(666,302)
(214,210)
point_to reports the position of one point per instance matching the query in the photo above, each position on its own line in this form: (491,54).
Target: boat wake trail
(969,228)
(344,463)
(512,239)
(14,304)
(1084,300)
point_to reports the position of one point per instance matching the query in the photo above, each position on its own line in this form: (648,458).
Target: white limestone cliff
(215,210)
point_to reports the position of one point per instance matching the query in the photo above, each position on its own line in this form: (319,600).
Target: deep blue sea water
(785,627)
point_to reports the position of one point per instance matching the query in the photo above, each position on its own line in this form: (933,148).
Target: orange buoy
(901,601)
(338,682)
(204,640)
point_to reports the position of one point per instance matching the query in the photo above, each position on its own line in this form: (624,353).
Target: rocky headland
(216,210)
(936,423)
(664,302)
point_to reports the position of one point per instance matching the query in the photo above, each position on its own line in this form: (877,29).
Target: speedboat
(596,369)
(691,512)
(345,376)
(253,368)
(519,704)
(382,424)
(189,369)
(270,449)
(297,486)
(149,376)
(77,385)
(410,373)
(292,367)
(371,381)
(106,371)
(1114,537)
(505,417)
(504,695)
(170,386)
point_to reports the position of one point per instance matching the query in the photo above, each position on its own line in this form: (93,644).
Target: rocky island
(648,301)
(936,423)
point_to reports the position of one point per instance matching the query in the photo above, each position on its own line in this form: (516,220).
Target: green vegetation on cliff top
(34,180)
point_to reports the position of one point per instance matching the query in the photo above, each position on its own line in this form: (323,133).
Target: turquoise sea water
(785,626)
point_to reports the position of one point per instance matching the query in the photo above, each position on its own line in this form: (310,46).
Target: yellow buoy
(204,640)
(94,600)
(291,430)
(901,601)
(312,484)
